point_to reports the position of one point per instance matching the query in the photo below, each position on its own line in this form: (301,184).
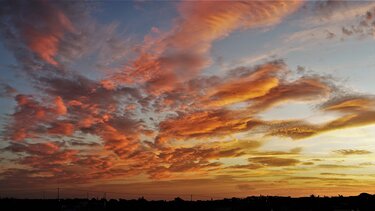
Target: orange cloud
(356,112)
(293,129)
(95,162)
(303,89)
(29,113)
(350,104)
(31,118)
(210,21)
(44,39)
(241,91)
(274,161)
(163,61)
(352,152)
(123,145)
(351,120)
(261,88)
(44,45)
(257,84)
(294,151)
(60,106)
(197,158)
(61,128)
(205,124)
(46,148)
(334,166)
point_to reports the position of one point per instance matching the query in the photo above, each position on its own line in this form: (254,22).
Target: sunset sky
(213,98)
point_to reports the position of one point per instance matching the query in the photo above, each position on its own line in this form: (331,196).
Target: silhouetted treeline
(257,203)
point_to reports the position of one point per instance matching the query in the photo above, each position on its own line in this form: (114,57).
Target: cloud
(326,9)
(364,27)
(349,104)
(61,128)
(247,166)
(79,105)
(25,120)
(263,159)
(293,129)
(215,20)
(6,90)
(83,143)
(60,106)
(303,89)
(254,85)
(121,143)
(332,11)
(49,160)
(159,116)
(83,106)
(208,123)
(294,151)
(333,174)
(94,162)
(44,37)
(46,148)
(355,111)
(259,88)
(53,162)
(198,158)
(352,152)
(245,187)
(162,61)
(335,166)
(274,161)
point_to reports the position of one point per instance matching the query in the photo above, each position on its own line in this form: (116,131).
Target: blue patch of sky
(137,18)
(134,20)
(9,75)
(349,60)
(252,43)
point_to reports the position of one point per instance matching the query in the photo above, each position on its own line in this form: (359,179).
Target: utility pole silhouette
(191,197)
(105,200)
(58,194)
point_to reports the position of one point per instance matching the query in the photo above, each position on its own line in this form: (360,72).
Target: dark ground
(257,203)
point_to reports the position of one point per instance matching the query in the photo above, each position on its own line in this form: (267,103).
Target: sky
(172,98)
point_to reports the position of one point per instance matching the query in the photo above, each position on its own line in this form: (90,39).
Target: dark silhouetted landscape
(363,201)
